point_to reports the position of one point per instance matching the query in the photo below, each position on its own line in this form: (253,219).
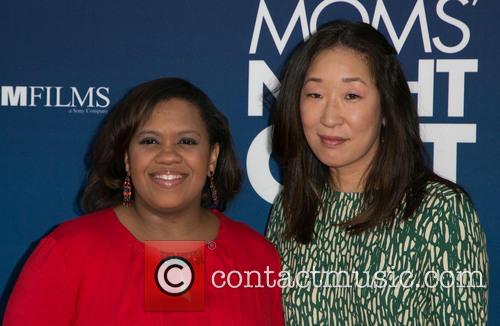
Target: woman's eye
(352,96)
(188,141)
(148,141)
(313,95)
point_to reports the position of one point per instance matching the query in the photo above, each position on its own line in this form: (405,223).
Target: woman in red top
(161,168)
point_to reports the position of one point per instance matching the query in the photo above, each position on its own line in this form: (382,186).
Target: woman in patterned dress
(367,232)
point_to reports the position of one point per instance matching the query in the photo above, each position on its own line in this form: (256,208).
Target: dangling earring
(127,191)
(213,190)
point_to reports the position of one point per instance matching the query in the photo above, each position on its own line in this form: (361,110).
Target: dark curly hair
(105,160)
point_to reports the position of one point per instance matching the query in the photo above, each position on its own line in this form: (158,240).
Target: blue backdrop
(64,64)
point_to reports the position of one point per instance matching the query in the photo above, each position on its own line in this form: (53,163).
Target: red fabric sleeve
(43,294)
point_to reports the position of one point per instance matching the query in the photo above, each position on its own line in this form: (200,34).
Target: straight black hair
(399,172)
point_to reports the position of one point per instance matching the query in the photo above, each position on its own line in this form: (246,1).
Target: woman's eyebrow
(147,131)
(189,132)
(313,79)
(353,79)
(181,132)
(344,79)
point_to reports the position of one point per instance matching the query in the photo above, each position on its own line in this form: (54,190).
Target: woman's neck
(195,223)
(347,180)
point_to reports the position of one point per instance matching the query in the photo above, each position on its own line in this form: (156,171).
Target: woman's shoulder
(444,195)
(96,232)
(92,225)
(276,224)
(73,241)
(446,210)
(276,214)
(241,231)
(245,239)
(446,190)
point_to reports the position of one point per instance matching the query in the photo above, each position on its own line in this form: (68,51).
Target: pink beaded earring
(127,191)
(213,189)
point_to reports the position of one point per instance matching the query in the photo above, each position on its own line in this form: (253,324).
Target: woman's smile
(168,179)
(332,141)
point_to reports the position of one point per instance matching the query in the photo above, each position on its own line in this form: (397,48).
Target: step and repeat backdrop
(65,64)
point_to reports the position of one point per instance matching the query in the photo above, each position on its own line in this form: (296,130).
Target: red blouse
(90,271)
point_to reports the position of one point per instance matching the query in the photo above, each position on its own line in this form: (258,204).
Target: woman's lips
(332,141)
(169,179)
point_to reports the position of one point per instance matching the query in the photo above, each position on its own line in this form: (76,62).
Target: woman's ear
(212,160)
(126,163)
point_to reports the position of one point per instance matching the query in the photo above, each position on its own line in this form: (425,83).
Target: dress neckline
(138,244)
(332,194)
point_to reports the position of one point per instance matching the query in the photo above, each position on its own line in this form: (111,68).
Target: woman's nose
(332,114)
(168,155)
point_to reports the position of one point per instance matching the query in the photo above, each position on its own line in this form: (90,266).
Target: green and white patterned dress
(386,276)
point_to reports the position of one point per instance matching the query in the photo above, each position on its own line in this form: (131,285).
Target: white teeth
(169,177)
